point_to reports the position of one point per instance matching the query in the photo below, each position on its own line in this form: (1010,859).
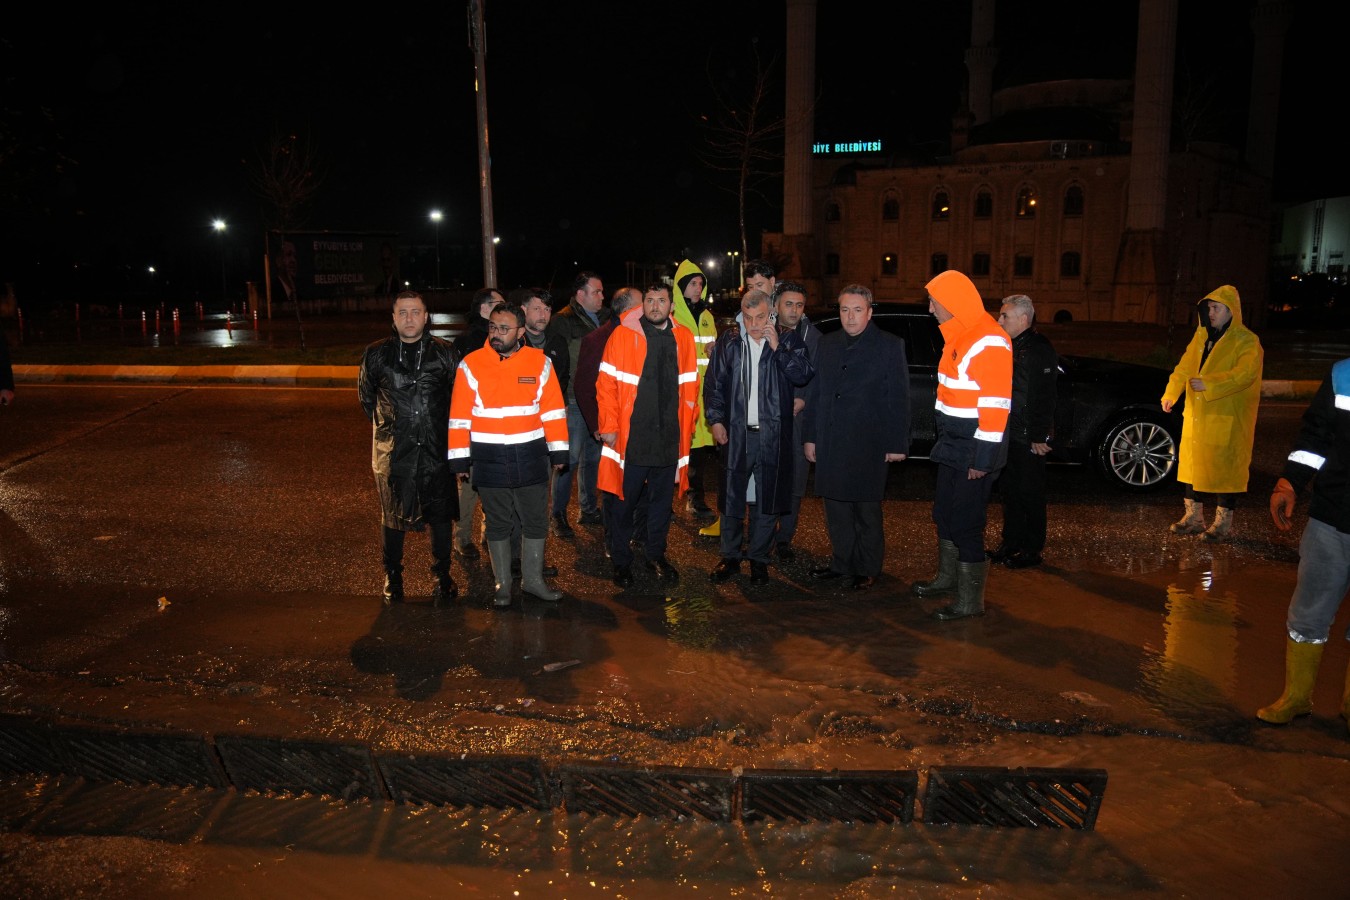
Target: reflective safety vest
(704,329)
(616,393)
(508,420)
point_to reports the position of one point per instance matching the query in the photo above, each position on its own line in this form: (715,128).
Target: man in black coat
(789,302)
(856,421)
(404,384)
(747,402)
(1031,424)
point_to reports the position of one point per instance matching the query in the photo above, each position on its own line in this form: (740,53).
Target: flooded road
(204,561)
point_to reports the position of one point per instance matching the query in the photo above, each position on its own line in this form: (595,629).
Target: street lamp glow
(436,217)
(218,224)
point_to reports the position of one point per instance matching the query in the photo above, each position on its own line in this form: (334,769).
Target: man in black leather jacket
(404,384)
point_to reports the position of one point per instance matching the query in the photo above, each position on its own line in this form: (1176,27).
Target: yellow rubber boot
(713,530)
(1300,674)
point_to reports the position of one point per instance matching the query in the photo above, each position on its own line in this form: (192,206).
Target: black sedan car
(1107,413)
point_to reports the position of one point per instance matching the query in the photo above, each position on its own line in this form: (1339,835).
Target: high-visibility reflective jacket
(704,329)
(616,392)
(508,423)
(974,393)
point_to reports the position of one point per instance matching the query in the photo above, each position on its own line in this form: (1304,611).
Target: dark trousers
(787,522)
(960,508)
(857,540)
(1227,501)
(508,512)
(637,511)
(441,534)
(733,520)
(1022,484)
(655,498)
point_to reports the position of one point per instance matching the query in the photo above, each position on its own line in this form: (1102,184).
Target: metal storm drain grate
(300,767)
(170,759)
(500,782)
(842,796)
(1028,798)
(26,746)
(663,791)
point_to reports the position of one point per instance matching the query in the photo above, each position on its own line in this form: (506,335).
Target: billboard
(316,265)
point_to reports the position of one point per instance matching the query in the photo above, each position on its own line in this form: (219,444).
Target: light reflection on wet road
(252,513)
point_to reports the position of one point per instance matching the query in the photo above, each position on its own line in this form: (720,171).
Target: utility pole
(479,42)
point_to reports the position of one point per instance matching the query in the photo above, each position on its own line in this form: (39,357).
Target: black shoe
(445,590)
(590,518)
(786,553)
(1023,560)
(663,569)
(863,582)
(759,572)
(724,570)
(561,528)
(825,573)
(393,588)
(1000,554)
(700,509)
(623,576)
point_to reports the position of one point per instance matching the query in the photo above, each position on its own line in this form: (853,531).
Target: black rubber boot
(393,585)
(969,601)
(944,582)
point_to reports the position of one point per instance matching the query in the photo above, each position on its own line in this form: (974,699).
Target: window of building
(889,263)
(1070,264)
(1026,203)
(831,263)
(832,212)
(890,210)
(979,264)
(1073,201)
(941,208)
(1022,265)
(984,204)
(939,264)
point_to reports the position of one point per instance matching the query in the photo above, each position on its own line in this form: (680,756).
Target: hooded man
(974,399)
(690,307)
(1220,375)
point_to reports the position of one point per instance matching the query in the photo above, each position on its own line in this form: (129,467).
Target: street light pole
(436,217)
(219,226)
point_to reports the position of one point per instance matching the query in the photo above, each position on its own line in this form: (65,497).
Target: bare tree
(743,136)
(286,175)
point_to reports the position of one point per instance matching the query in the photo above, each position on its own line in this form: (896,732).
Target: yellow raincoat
(704,330)
(1218,423)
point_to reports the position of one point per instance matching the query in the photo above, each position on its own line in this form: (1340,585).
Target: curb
(345,376)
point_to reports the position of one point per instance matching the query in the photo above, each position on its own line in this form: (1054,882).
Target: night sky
(123,139)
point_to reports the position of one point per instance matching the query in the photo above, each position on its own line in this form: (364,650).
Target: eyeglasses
(502,329)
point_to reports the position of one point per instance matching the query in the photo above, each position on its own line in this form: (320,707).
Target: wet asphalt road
(205,560)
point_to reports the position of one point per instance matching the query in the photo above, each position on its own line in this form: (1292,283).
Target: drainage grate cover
(1026,798)
(27,747)
(300,767)
(858,796)
(500,782)
(139,758)
(664,791)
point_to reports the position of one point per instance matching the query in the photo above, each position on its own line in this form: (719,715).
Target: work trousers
(505,509)
(1323,579)
(656,498)
(960,510)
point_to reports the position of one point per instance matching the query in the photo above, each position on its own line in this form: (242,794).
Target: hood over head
(1228,296)
(958,295)
(679,306)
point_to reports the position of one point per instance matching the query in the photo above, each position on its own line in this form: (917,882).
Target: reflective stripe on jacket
(704,330)
(616,392)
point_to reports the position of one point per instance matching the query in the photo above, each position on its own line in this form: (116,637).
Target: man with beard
(474,336)
(584,313)
(790,307)
(507,424)
(404,386)
(647,399)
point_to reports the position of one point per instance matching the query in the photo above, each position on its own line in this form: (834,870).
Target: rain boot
(445,590)
(969,591)
(1194,520)
(532,570)
(500,552)
(393,585)
(712,530)
(1300,674)
(1222,525)
(1345,698)
(944,582)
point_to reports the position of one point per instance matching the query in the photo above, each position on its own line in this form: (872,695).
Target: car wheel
(1138,453)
